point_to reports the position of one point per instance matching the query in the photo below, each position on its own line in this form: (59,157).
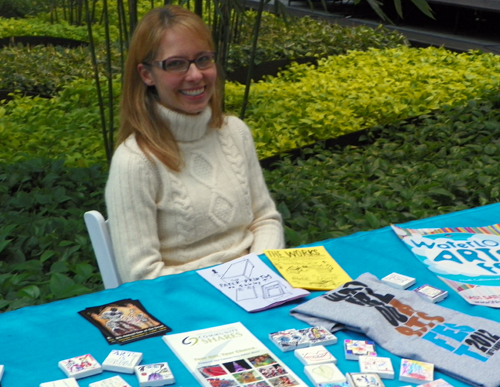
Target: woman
(185,189)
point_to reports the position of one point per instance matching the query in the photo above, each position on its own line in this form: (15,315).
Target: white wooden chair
(98,230)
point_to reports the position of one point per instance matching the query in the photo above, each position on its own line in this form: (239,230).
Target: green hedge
(434,164)
(342,95)
(46,69)
(347,93)
(45,252)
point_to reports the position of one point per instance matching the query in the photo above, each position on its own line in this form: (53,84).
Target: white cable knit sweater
(216,209)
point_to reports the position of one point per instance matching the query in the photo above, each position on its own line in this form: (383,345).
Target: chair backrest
(98,230)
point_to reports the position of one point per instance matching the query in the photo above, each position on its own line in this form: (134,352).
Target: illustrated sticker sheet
(124,321)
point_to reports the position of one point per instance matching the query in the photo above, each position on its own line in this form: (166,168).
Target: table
(33,339)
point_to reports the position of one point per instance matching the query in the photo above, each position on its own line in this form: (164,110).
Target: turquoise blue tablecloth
(34,339)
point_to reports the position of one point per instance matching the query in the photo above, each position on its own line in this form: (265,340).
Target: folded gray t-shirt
(400,321)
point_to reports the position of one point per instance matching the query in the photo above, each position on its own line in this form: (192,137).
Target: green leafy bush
(45,253)
(347,93)
(67,126)
(304,104)
(306,37)
(47,69)
(34,27)
(434,164)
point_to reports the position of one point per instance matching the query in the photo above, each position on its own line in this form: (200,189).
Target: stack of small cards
(364,379)
(80,366)
(291,339)
(418,372)
(382,366)
(151,375)
(431,293)
(398,281)
(353,349)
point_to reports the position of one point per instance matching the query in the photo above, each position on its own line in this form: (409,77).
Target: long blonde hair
(139,113)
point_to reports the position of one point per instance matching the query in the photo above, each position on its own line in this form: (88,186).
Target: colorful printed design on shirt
(459,339)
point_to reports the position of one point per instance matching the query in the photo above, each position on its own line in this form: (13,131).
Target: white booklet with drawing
(251,283)
(230,356)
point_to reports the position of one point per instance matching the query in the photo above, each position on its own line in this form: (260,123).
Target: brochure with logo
(465,258)
(230,356)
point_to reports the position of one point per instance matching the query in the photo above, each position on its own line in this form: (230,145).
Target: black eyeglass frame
(162,64)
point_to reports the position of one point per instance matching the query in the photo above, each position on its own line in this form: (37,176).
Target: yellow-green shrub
(359,90)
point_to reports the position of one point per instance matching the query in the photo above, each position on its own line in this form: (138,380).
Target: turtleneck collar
(186,127)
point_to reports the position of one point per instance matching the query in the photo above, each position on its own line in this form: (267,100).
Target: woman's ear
(146,75)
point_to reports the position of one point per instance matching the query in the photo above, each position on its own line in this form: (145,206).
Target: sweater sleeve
(131,193)
(266,226)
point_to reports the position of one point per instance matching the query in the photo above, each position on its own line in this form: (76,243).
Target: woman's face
(187,92)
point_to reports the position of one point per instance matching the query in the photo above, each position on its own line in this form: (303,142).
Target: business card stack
(382,366)
(69,382)
(398,281)
(80,366)
(115,381)
(364,379)
(431,293)
(315,355)
(417,372)
(324,373)
(151,375)
(291,339)
(353,349)
(122,361)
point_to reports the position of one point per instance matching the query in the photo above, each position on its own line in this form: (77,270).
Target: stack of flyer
(230,356)
(465,258)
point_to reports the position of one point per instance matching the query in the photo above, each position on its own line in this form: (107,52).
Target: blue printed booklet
(466,258)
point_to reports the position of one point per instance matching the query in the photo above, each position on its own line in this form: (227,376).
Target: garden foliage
(347,93)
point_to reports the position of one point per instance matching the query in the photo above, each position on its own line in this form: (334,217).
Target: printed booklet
(465,258)
(230,356)
(251,283)
(308,268)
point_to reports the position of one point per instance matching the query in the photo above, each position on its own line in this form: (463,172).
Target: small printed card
(344,384)
(353,349)
(80,366)
(324,373)
(379,365)
(70,382)
(251,284)
(115,381)
(315,355)
(431,293)
(157,374)
(124,321)
(291,339)
(398,281)
(413,371)
(364,379)
(318,336)
(122,361)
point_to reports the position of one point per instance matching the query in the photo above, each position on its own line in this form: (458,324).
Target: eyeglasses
(180,65)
